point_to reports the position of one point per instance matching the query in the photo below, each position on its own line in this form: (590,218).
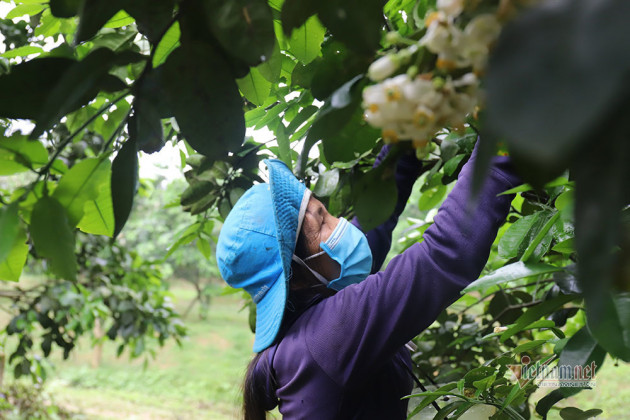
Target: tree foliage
(102,81)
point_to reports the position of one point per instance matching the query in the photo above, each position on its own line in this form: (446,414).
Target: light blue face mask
(349,247)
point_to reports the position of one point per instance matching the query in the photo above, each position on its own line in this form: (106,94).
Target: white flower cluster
(416,108)
(410,107)
(456,47)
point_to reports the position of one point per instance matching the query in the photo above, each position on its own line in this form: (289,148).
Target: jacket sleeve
(358,328)
(408,168)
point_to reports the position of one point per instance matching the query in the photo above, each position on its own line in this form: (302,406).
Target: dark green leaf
(244,28)
(544,64)
(572,413)
(544,404)
(167,45)
(152,17)
(124,183)
(79,84)
(536,312)
(305,42)
(145,126)
(64,8)
(197,83)
(519,236)
(53,237)
(93,15)
(28,84)
(296,12)
(374,195)
(10,227)
(581,350)
(351,141)
(343,18)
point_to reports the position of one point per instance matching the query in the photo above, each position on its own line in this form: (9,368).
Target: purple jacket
(344,357)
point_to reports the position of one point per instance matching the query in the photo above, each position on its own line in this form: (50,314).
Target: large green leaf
(53,238)
(204,99)
(295,13)
(581,350)
(11,266)
(64,8)
(18,154)
(520,235)
(374,196)
(545,63)
(98,217)
(81,184)
(167,44)
(255,87)
(124,182)
(511,272)
(145,126)
(305,42)
(80,83)
(343,18)
(93,15)
(9,226)
(27,85)
(152,17)
(354,139)
(603,189)
(244,28)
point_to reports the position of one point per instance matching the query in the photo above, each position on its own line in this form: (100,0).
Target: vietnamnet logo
(545,375)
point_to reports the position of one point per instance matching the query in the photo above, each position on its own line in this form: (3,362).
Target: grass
(199,380)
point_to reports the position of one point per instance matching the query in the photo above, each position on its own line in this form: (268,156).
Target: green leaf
(124,183)
(145,126)
(10,227)
(11,267)
(93,15)
(305,42)
(541,242)
(197,81)
(255,87)
(244,28)
(343,19)
(374,196)
(152,17)
(581,350)
(573,59)
(64,8)
(295,13)
(349,142)
(168,43)
(18,154)
(544,404)
(79,84)
(204,247)
(98,217)
(302,116)
(28,84)
(25,9)
(271,67)
(528,346)
(327,183)
(536,312)
(53,238)
(22,51)
(120,19)
(428,399)
(519,237)
(510,272)
(432,197)
(572,413)
(79,185)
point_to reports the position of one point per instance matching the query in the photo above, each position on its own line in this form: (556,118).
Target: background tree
(125,77)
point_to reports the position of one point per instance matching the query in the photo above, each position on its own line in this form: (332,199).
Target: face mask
(349,247)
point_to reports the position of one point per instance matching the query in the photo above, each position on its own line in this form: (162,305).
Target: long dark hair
(253,393)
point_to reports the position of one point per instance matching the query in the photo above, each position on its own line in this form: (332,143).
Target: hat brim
(269,314)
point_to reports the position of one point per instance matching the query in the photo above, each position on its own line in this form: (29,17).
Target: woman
(330,336)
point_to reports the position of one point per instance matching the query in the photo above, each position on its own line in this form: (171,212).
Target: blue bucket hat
(257,242)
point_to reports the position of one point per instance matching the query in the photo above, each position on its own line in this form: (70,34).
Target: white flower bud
(382,68)
(451,7)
